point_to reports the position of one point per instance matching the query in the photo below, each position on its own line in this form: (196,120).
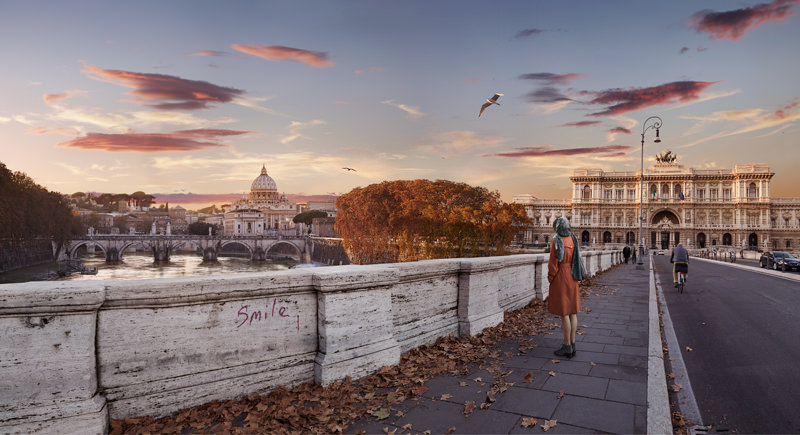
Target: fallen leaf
(490,395)
(583,325)
(704,323)
(529,421)
(386,431)
(555,361)
(560,394)
(462,384)
(407,427)
(361,432)
(671,375)
(451,430)
(549,424)
(478,380)
(427,432)
(505,386)
(400,414)
(592,363)
(469,407)
(580,332)
(381,414)
(445,396)
(551,373)
(485,405)
(528,378)
(672,359)
(689,348)
(676,387)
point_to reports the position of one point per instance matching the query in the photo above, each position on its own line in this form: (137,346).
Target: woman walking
(564,273)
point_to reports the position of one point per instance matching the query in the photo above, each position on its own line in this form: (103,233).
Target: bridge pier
(161,250)
(112,255)
(209,254)
(259,254)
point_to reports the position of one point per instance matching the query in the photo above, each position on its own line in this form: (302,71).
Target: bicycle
(681,281)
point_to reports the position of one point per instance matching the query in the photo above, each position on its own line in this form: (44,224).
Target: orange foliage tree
(410,220)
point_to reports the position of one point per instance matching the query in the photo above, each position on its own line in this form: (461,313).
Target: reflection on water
(141,266)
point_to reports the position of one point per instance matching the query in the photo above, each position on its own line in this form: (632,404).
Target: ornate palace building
(700,208)
(262,210)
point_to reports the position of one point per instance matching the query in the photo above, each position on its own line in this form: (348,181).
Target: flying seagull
(489,102)
(349,169)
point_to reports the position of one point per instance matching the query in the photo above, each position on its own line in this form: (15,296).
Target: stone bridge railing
(74,353)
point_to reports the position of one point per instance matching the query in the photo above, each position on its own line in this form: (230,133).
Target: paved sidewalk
(604,388)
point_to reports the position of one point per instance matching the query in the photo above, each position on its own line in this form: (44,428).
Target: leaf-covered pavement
(311,408)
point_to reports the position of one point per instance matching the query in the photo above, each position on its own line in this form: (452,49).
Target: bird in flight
(349,169)
(489,102)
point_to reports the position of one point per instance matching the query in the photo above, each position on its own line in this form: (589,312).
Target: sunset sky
(179,97)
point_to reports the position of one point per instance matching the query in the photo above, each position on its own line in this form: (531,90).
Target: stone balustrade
(75,353)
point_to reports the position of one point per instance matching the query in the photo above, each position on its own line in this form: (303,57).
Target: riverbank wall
(75,353)
(16,254)
(328,250)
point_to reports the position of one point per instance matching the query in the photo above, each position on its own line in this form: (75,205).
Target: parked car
(662,252)
(778,260)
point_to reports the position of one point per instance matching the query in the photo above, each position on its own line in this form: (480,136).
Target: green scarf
(561,225)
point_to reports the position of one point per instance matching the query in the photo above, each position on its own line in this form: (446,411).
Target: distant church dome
(264,182)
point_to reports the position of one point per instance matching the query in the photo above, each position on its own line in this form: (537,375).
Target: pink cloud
(37,131)
(629,100)
(553,79)
(310,58)
(168,92)
(622,130)
(206,53)
(549,150)
(53,99)
(580,124)
(184,140)
(735,23)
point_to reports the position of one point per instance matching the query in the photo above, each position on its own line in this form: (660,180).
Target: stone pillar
(354,321)
(209,254)
(47,358)
(112,254)
(478,306)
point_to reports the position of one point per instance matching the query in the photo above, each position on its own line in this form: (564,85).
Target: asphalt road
(742,328)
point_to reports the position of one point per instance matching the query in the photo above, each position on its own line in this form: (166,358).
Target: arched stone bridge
(162,246)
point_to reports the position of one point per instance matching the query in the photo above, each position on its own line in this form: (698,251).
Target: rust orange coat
(564,298)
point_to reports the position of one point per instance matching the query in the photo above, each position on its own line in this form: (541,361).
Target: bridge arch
(225,243)
(72,252)
(280,243)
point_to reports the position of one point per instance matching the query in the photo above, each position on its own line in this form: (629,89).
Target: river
(141,266)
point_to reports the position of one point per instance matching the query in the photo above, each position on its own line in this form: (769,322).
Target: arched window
(587,192)
(653,191)
(585,238)
(607,237)
(665,191)
(752,191)
(677,191)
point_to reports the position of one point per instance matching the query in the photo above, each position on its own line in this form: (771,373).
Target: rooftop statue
(666,157)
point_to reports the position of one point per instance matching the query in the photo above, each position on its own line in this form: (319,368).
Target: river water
(141,266)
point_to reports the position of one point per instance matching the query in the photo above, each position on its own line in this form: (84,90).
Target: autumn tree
(409,220)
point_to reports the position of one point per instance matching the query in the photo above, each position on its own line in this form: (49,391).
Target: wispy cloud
(54,99)
(552,78)
(629,100)
(5,119)
(735,23)
(413,111)
(185,140)
(549,150)
(207,53)
(459,142)
(580,124)
(276,52)
(527,33)
(165,91)
(296,127)
(37,131)
(745,121)
(613,132)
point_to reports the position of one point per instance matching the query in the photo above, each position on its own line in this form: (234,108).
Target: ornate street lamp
(657,125)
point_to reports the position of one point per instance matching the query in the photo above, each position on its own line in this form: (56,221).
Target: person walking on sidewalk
(626,252)
(564,273)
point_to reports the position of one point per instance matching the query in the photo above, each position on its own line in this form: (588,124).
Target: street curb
(658,412)
(779,274)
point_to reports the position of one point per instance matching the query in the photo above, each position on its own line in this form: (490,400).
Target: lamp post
(657,125)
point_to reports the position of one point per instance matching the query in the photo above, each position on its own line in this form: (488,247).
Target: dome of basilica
(264,182)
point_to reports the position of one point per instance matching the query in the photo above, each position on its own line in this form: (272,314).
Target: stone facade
(703,209)
(277,210)
(73,354)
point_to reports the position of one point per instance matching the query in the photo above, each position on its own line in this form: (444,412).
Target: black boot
(573,350)
(565,351)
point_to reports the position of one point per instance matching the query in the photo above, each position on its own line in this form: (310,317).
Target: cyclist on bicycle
(680,262)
